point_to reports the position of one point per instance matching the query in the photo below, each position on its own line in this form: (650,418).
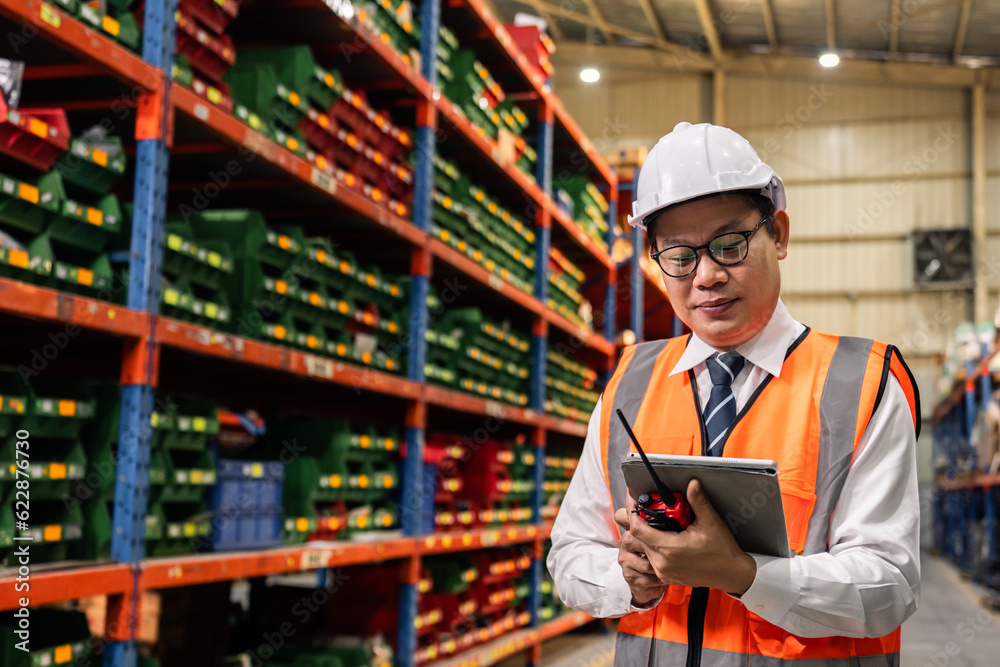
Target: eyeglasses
(726,249)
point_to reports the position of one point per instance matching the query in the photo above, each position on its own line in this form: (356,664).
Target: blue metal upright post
(611,290)
(970,412)
(145,260)
(637,316)
(413,464)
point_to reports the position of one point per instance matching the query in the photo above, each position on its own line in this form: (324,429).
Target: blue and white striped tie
(721,409)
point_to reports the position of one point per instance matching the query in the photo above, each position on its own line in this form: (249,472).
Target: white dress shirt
(868,582)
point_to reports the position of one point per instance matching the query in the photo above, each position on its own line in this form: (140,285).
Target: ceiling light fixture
(589,75)
(829,59)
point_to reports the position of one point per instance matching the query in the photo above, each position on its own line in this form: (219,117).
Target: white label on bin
(496,283)
(201,112)
(494,409)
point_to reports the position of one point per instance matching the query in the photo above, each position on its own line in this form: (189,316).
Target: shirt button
(758,607)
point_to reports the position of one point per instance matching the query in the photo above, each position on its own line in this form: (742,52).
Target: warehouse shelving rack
(963,498)
(161,109)
(643,302)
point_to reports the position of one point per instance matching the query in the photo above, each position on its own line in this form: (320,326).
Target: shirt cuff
(773,592)
(652,604)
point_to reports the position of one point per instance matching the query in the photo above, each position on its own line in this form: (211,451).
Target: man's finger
(621,518)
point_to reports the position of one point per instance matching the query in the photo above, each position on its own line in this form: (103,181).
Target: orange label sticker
(52,533)
(95,216)
(100,157)
(85,277)
(302,524)
(37,127)
(57,471)
(311,341)
(63,654)
(18,258)
(67,408)
(328,79)
(284,242)
(321,163)
(294,98)
(281,287)
(28,193)
(321,256)
(315,298)
(110,25)
(323,121)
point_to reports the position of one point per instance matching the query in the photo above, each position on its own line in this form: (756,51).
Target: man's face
(725,306)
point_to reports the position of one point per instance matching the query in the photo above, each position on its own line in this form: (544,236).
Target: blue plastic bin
(246,505)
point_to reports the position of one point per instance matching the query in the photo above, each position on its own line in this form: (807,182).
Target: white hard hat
(697,160)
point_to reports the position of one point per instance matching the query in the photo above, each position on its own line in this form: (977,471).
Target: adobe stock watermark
(914,167)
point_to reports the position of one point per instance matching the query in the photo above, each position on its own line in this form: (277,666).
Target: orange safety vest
(810,420)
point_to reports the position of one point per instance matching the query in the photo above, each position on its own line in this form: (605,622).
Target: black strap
(697,607)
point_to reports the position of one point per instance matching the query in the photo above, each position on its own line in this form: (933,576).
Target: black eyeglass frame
(746,237)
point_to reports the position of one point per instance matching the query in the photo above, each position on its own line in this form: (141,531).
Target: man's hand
(704,554)
(639,574)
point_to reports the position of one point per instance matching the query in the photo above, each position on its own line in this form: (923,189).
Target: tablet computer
(745,493)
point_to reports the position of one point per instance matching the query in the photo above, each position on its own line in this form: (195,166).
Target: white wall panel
(852,266)
(879,208)
(764,102)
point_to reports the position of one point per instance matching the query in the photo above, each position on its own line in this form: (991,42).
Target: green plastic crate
(121,27)
(296,68)
(28,206)
(202,262)
(92,166)
(256,85)
(58,637)
(87,227)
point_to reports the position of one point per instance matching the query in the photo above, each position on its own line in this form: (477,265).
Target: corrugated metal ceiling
(924,29)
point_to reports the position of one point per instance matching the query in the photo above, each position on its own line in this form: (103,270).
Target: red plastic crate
(34,136)
(535,45)
(213,14)
(210,54)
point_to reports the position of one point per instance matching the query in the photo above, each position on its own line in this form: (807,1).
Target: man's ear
(781,231)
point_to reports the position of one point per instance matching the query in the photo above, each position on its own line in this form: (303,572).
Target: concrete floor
(950,629)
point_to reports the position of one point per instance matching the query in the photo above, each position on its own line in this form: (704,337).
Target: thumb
(696,496)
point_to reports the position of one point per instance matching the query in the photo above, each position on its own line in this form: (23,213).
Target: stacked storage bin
(569,388)
(565,279)
(115,21)
(588,207)
(393,22)
(443,507)
(467,219)
(343,483)
(447,45)
(289,289)
(181,468)
(371,153)
(58,637)
(481,99)
(54,412)
(55,227)
(558,473)
(535,45)
(486,358)
(204,51)
(246,505)
(469,599)
(498,482)
(193,272)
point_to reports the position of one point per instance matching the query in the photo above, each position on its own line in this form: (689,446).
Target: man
(838,414)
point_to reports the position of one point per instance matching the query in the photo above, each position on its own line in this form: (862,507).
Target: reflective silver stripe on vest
(628,398)
(631,651)
(838,417)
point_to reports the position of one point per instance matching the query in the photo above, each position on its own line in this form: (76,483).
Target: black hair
(760,203)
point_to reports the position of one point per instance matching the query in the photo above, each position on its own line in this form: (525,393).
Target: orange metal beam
(69,584)
(200,340)
(42,303)
(38,17)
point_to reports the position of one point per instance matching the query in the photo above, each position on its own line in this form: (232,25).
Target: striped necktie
(721,409)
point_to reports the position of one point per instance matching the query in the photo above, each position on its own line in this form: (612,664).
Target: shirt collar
(767,349)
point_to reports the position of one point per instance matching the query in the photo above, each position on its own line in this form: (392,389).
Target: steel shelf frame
(145,332)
